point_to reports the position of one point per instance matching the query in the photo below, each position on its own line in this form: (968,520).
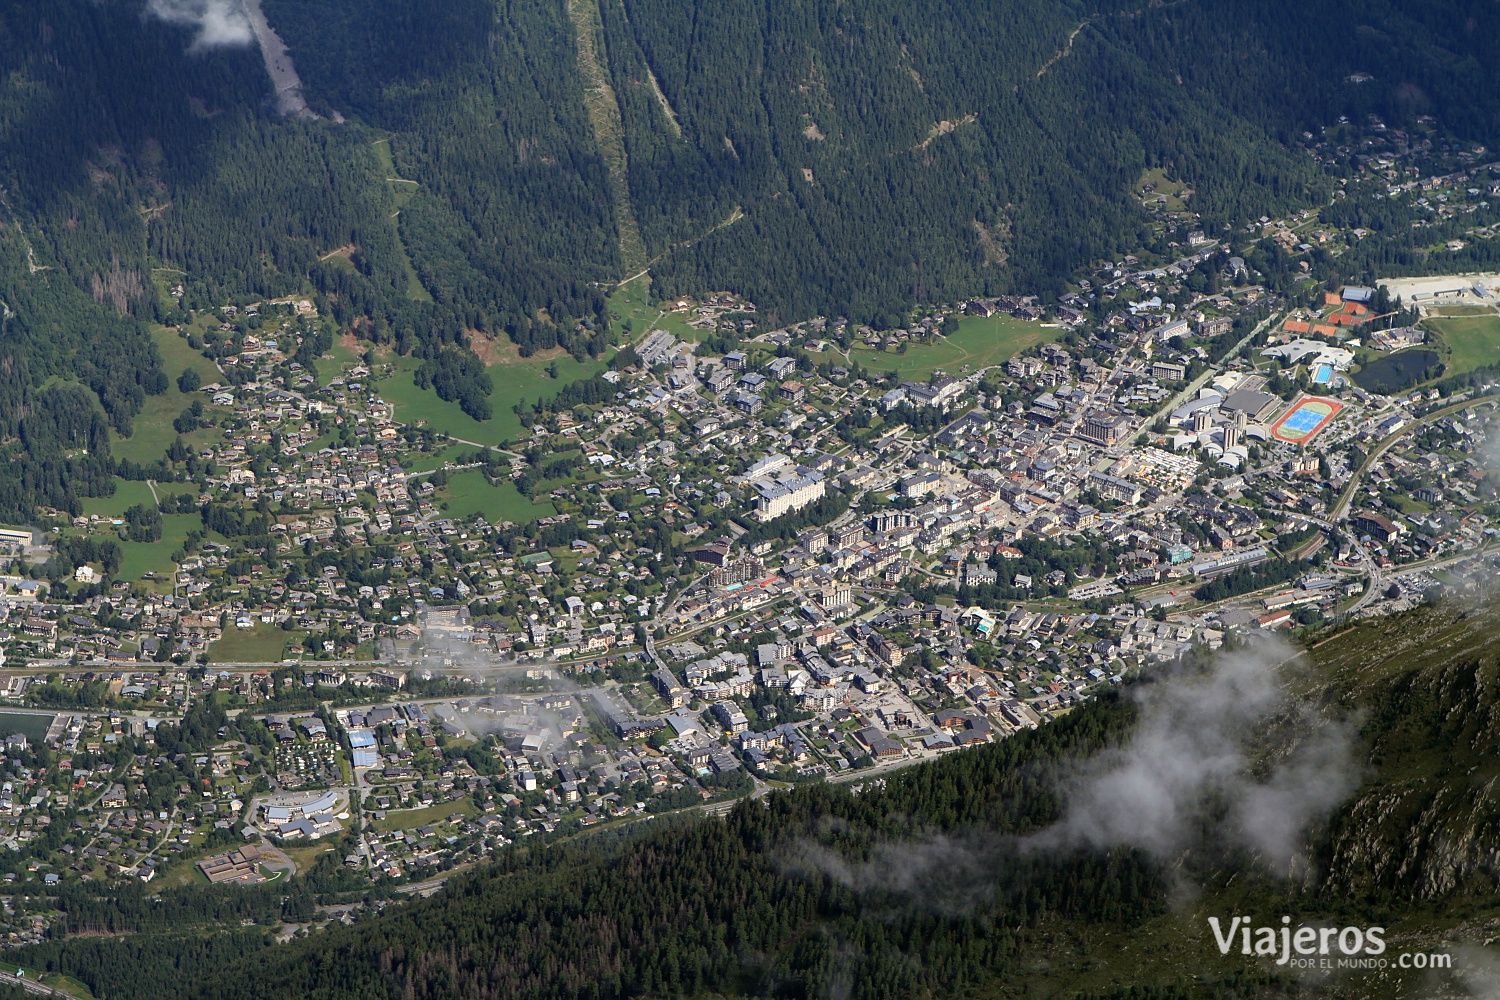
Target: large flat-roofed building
(1253,403)
(1102,427)
(241,865)
(792,490)
(1113,487)
(939,391)
(1210,568)
(1376,526)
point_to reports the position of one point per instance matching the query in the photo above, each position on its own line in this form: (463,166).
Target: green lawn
(979,342)
(1171,189)
(339,359)
(56,980)
(514,380)
(1460,311)
(128,493)
(676,323)
(261,644)
(152,428)
(410,819)
(140,558)
(1472,341)
(427,461)
(305,857)
(631,302)
(468,493)
(156,557)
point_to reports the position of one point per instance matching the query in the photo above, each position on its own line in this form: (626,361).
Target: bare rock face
(279,65)
(1432,828)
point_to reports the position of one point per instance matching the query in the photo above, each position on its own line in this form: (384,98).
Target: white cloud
(216,23)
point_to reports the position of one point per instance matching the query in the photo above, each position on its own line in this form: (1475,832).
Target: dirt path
(1064,52)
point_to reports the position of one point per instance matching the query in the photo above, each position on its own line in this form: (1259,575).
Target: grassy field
(152,430)
(345,353)
(56,980)
(468,493)
(146,557)
(1170,189)
(409,819)
(306,857)
(1471,341)
(631,302)
(979,342)
(1460,310)
(128,493)
(427,461)
(261,644)
(156,557)
(517,379)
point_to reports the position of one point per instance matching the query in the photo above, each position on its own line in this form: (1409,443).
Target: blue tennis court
(1303,421)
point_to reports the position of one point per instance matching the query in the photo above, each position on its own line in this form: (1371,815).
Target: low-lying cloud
(1223,759)
(216,24)
(1191,749)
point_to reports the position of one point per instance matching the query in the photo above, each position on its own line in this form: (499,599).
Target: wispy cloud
(1191,747)
(215,24)
(1184,777)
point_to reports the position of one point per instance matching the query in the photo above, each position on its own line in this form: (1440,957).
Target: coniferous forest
(846,158)
(946,879)
(457,176)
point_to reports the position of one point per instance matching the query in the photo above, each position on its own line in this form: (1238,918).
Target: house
(1275,619)
(878,743)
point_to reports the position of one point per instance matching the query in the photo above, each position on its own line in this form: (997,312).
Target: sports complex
(1306,419)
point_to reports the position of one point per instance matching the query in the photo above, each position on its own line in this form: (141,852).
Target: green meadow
(979,342)
(468,493)
(152,430)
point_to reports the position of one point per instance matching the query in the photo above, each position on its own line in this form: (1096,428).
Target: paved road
(1379,578)
(1192,388)
(30,987)
(1380,449)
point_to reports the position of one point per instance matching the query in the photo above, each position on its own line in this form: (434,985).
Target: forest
(916,884)
(667,909)
(859,157)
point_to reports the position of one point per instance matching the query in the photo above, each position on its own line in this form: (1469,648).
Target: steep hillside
(470,166)
(840,157)
(981,874)
(889,152)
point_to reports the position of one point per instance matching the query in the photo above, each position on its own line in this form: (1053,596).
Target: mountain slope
(738,908)
(918,887)
(874,154)
(895,152)
(850,157)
